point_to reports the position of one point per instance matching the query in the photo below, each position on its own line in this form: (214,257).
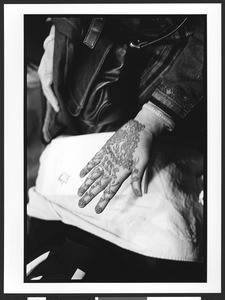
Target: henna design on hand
(115,158)
(121,146)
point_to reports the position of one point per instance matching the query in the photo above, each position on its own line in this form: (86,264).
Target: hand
(45,73)
(125,153)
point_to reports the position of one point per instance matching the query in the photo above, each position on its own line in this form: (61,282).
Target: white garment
(164,223)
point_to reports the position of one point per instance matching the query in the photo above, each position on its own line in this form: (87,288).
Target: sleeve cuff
(172,100)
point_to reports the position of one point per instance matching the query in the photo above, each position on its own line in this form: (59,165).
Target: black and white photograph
(120,105)
(117,112)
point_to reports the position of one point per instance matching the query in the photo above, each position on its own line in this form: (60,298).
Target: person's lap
(109,262)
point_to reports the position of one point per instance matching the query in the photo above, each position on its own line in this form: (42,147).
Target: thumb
(136,177)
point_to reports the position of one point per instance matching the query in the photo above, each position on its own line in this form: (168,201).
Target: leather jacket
(106,68)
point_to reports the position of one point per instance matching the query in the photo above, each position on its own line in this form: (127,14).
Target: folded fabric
(166,222)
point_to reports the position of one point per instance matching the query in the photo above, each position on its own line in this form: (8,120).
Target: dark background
(36,29)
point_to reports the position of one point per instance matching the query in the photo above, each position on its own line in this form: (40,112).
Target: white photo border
(14,149)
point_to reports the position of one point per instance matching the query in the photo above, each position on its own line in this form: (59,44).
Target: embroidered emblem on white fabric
(64,178)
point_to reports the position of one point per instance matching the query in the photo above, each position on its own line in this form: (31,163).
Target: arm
(127,152)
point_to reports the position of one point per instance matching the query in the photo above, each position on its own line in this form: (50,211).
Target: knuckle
(88,182)
(95,187)
(134,179)
(108,194)
(90,165)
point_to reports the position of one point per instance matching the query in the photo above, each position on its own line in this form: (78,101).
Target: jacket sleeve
(181,88)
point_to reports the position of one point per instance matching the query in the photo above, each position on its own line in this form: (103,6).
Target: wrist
(152,124)
(154,119)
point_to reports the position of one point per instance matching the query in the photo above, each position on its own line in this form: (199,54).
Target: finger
(51,97)
(110,192)
(95,174)
(94,190)
(136,177)
(91,164)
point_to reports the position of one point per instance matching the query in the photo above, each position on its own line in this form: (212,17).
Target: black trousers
(72,248)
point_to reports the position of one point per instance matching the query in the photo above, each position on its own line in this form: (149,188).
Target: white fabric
(37,261)
(164,223)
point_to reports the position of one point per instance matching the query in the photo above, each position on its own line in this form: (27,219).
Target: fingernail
(81,203)
(82,174)
(98,209)
(80,191)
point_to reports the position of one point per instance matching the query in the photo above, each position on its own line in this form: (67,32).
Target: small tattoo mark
(135,178)
(64,178)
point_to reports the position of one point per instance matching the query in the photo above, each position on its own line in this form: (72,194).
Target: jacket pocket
(84,75)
